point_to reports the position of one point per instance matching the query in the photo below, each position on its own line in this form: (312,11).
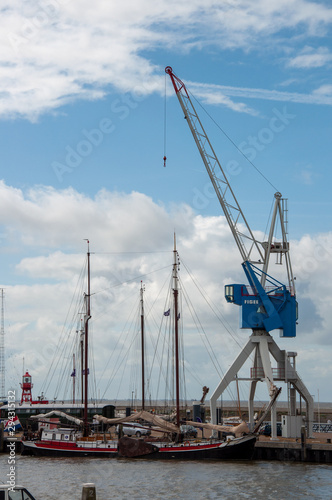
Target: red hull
(65,449)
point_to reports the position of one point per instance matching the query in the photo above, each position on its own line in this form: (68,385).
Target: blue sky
(82,127)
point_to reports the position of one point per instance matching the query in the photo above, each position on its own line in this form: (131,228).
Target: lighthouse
(26,388)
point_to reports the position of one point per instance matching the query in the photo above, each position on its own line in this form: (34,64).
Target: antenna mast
(2,350)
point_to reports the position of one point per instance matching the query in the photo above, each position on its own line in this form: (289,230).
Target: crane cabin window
(229,293)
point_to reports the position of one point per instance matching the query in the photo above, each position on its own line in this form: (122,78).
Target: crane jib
(265,310)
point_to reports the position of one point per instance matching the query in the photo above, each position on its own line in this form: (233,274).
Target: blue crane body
(272,309)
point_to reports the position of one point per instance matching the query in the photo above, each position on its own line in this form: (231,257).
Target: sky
(87,115)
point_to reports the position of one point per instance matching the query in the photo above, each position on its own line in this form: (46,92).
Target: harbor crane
(266,304)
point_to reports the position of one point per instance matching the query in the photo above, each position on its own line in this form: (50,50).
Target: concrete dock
(317,449)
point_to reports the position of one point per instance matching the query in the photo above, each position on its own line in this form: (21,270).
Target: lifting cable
(165,123)
(234,144)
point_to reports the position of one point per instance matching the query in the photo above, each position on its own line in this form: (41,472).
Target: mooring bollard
(89,491)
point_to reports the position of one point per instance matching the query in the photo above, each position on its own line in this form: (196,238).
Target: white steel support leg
(295,380)
(264,346)
(229,377)
(264,342)
(301,389)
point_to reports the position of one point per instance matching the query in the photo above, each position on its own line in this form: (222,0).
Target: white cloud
(324,89)
(307,175)
(57,52)
(131,239)
(311,58)
(216,94)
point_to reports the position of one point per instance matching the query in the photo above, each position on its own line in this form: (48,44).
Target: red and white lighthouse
(26,388)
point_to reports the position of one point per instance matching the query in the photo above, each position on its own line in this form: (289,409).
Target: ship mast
(86,332)
(176,333)
(74,376)
(82,360)
(142,345)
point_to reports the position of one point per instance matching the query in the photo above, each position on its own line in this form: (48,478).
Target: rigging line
(93,393)
(123,362)
(184,388)
(134,371)
(250,356)
(122,346)
(150,309)
(159,358)
(234,144)
(168,349)
(195,318)
(133,279)
(158,325)
(118,362)
(194,375)
(223,320)
(62,362)
(46,384)
(111,303)
(166,303)
(60,355)
(167,342)
(63,380)
(156,354)
(130,321)
(125,359)
(125,253)
(210,351)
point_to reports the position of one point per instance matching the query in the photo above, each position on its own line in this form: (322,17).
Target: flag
(179,316)
(88,371)
(167,313)
(12,425)
(73,373)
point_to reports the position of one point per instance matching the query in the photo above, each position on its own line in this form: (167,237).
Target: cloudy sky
(86,117)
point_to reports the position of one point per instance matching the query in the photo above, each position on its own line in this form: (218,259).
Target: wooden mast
(86,357)
(82,362)
(176,334)
(142,346)
(74,377)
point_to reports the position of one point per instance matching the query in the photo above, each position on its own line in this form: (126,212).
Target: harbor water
(62,478)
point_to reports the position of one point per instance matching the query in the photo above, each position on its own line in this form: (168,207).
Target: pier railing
(316,427)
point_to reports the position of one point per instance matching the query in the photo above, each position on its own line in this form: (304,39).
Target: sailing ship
(72,441)
(237,441)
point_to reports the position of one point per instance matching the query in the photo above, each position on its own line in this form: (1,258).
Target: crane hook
(164,161)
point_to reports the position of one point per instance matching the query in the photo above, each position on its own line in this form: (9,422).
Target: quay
(318,449)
